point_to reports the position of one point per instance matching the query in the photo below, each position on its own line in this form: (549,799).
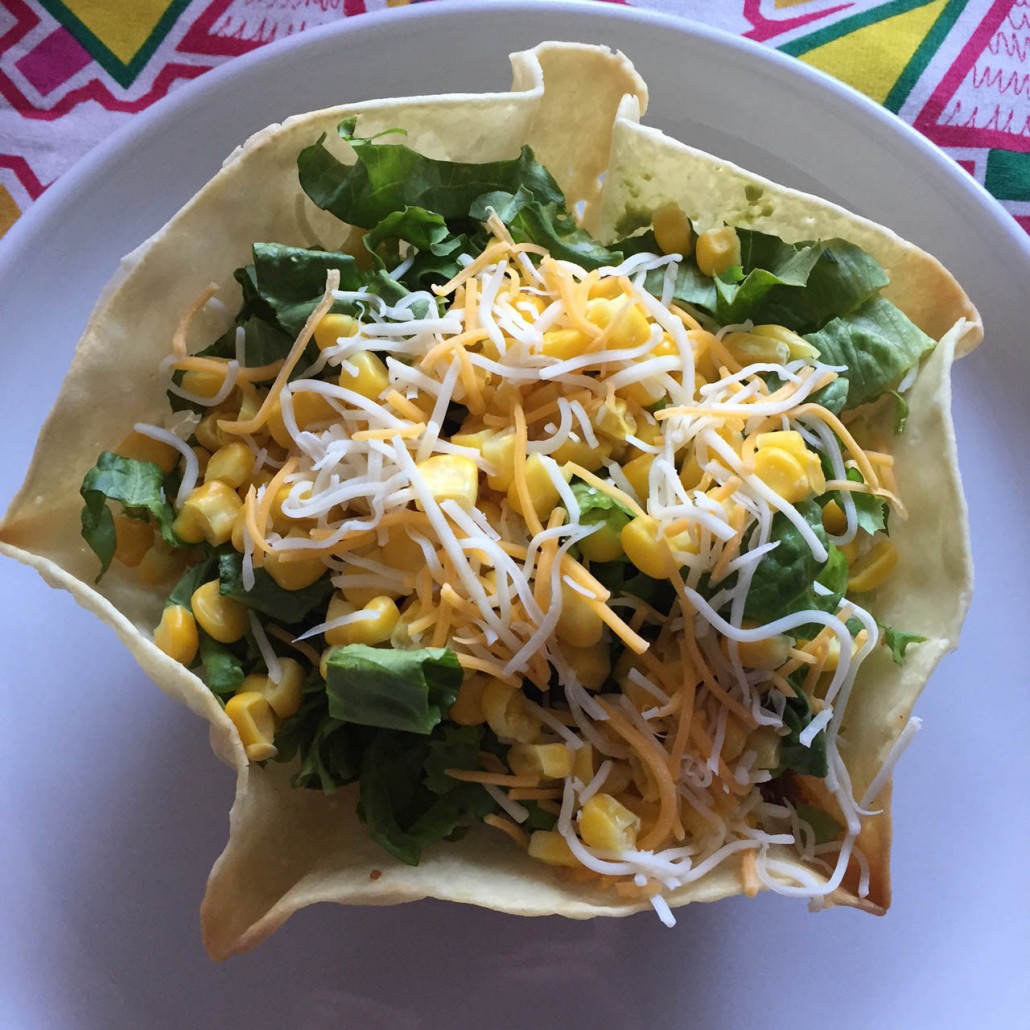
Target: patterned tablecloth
(72,72)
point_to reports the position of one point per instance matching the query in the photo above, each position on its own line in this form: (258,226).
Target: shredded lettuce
(392,689)
(289,607)
(138,486)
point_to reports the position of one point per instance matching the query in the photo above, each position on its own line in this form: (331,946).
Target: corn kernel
(769,653)
(203,384)
(236,537)
(563,344)
(254,720)
(400,551)
(672,230)
(782,473)
(365,374)
(578,624)
(603,544)
(793,443)
(208,433)
(339,606)
(873,568)
(161,564)
(332,328)
(734,739)
(505,709)
(467,709)
(291,574)
(145,448)
(691,473)
(747,348)
(834,519)
(450,477)
(384,616)
(765,742)
(614,420)
(607,824)
(208,514)
(797,346)
(646,548)
(544,761)
(221,617)
(232,464)
(579,451)
(630,326)
(203,456)
(583,763)
(283,697)
(551,847)
(134,537)
(592,665)
(543,494)
(499,450)
(638,472)
(176,634)
(717,250)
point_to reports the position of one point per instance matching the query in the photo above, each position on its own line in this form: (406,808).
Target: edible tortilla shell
(578,107)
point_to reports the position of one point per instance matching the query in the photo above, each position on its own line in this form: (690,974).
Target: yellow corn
(283,697)
(690,471)
(209,435)
(221,617)
(309,409)
(144,448)
(134,537)
(734,739)
(591,665)
(797,346)
(499,450)
(161,564)
(203,456)
(672,230)
(785,465)
(332,328)
(254,720)
(717,250)
(562,344)
(369,377)
(644,392)
(631,327)
(467,709)
(607,824)
(748,348)
(294,575)
(400,551)
(834,519)
(578,624)
(338,607)
(646,548)
(873,568)
(505,710)
(232,464)
(579,451)
(176,634)
(604,544)
(638,472)
(251,399)
(203,384)
(545,761)
(765,742)
(542,492)
(613,419)
(376,630)
(238,526)
(450,477)
(208,514)
(550,846)
(769,653)
(583,763)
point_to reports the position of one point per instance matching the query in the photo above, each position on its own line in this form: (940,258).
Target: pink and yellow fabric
(958,70)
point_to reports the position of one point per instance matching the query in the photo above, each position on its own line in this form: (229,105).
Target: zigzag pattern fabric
(73,71)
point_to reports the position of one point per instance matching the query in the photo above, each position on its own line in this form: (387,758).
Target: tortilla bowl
(578,107)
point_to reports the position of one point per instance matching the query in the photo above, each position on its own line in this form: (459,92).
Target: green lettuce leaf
(899,641)
(138,486)
(783,582)
(223,670)
(392,689)
(387,178)
(195,576)
(403,813)
(876,343)
(597,508)
(286,606)
(824,826)
(811,760)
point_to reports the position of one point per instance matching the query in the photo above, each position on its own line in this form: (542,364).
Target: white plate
(113,809)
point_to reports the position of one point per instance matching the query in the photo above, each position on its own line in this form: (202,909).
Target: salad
(511,527)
